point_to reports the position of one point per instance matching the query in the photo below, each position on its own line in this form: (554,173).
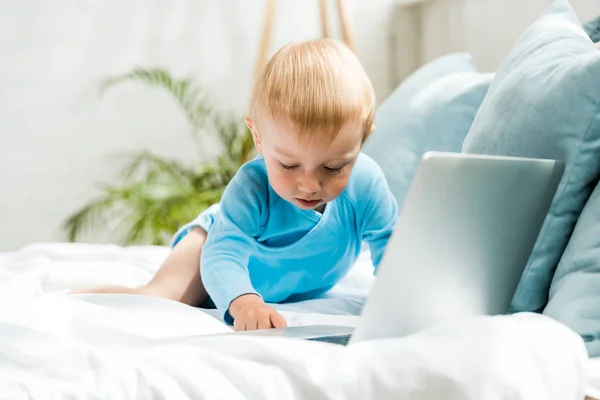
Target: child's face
(307,173)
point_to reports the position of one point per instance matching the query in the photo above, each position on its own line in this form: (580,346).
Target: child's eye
(333,170)
(287,167)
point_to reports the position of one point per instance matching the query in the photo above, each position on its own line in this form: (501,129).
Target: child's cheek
(282,182)
(339,183)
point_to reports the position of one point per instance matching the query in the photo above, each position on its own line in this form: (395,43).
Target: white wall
(57,133)
(487,29)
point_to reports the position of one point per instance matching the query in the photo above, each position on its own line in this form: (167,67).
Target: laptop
(462,240)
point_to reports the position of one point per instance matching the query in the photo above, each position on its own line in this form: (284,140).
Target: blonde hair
(318,85)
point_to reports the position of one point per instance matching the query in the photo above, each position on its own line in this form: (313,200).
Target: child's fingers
(263,318)
(239,325)
(278,321)
(245,324)
(264,321)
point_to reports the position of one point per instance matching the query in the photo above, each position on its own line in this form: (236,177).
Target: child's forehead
(283,128)
(331,153)
(288,145)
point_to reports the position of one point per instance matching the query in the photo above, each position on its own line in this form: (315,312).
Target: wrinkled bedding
(53,345)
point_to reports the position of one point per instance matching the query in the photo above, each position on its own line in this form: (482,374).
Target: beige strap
(347,35)
(324,28)
(265,41)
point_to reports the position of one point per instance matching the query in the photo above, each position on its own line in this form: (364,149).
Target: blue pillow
(544,102)
(575,291)
(431,110)
(592,28)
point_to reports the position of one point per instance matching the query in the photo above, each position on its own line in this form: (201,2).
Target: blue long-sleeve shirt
(261,244)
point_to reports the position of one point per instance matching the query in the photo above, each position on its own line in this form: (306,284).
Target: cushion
(575,291)
(544,103)
(592,28)
(431,110)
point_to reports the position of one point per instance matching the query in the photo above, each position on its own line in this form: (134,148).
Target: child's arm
(379,217)
(227,252)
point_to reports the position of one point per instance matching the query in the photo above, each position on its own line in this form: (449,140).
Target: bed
(54,345)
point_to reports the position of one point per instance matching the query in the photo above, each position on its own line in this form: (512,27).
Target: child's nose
(309,184)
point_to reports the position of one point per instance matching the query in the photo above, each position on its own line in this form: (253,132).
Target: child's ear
(255,137)
(368,134)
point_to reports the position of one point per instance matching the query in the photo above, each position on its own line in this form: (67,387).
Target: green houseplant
(153,196)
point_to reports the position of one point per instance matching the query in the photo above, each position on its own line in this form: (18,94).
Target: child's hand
(249,312)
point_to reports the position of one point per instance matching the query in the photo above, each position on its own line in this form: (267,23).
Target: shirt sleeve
(379,217)
(231,241)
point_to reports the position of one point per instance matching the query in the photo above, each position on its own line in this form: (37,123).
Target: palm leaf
(188,96)
(156,221)
(150,167)
(87,217)
(146,212)
(247,145)
(154,196)
(235,138)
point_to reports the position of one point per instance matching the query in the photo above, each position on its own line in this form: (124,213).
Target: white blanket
(121,347)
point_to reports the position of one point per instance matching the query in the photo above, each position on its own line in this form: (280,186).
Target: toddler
(291,223)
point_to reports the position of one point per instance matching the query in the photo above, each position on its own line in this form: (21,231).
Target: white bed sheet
(593,373)
(118,346)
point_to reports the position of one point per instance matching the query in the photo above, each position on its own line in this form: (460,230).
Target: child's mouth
(308,203)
